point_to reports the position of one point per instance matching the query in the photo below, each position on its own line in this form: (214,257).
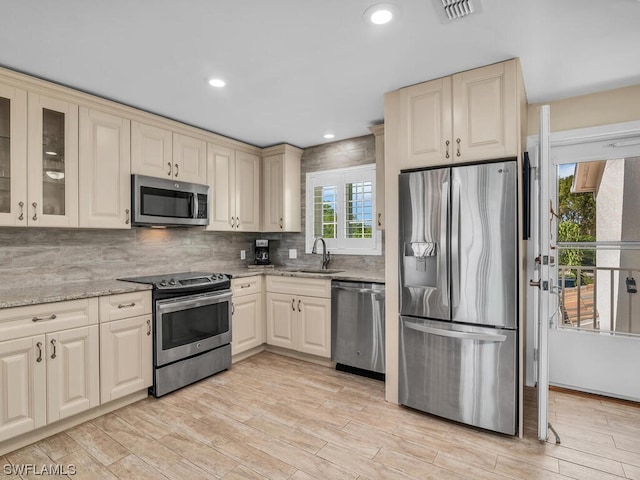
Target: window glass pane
(359,216)
(325,220)
(53,167)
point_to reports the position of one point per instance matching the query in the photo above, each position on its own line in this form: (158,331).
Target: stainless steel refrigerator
(458,294)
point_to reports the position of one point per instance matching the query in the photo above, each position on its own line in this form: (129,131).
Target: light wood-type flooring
(274,417)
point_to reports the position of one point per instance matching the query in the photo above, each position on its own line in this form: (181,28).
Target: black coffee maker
(262,252)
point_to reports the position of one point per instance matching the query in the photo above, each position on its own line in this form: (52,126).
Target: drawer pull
(148,327)
(53,344)
(37,319)
(245,286)
(39,345)
(126,305)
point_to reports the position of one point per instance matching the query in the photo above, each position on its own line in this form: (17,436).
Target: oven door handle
(192,301)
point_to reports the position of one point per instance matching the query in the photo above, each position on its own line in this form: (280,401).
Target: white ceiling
(296,69)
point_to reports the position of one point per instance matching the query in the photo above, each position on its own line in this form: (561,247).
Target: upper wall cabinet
(467,117)
(281,181)
(52,181)
(378,132)
(158,152)
(234,181)
(13,156)
(105,170)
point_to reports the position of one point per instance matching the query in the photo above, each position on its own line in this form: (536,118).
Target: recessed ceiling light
(329,136)
(380,13)
(51,153)
(217,82)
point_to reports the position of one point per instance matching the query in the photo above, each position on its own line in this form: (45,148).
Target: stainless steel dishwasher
(357,326)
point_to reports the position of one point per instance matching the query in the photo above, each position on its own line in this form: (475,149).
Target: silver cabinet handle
(170,172)
(458,142)
(281,224)
(237,222)
(21,205)
(53,344)
(148,327)
(126,305)
(51,317)
(299,309)
(293,304)
(177,170)
(39,345)
(245,286)
(35,211)
(126,221)
(379,219)
(233,222)
(447,143)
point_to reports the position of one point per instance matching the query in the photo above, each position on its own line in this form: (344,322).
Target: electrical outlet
(243,254)
(293,253)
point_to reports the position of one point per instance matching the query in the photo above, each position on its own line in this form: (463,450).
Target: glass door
(13,155)
(53,162)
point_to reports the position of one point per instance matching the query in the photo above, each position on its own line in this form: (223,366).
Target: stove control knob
(172,282)
(220,276)
(163,283)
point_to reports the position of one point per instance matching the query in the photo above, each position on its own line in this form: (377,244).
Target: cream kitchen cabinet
(38,159)
(247,321)
(126,344)
(105,170)
(281,180)
(378,132)
(159,152)
(48,364)
(467,117)
(299,314)
(13,156)
(234,181)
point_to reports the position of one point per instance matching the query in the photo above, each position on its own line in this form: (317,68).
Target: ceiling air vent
(455,9)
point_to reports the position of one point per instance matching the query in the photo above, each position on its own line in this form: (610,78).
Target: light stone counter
(350,275)
(18,297)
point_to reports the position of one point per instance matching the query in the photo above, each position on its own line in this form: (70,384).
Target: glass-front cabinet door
(13,156)
(53,162)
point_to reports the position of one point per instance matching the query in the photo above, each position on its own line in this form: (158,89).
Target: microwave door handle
(194,205)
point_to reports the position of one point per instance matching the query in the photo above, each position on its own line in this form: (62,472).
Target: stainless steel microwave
(164,202)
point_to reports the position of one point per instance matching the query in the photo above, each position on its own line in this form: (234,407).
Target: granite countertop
(65,291)
(33,295)
(350,275)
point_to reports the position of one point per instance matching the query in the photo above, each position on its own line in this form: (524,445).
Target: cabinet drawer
(47,317)
(125,305)
(246,286)
(312,287)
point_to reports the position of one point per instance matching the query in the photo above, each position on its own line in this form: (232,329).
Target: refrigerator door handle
(455,244)
(442,266)
(481,337)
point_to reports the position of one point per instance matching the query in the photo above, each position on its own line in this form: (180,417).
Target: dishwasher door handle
(359,290)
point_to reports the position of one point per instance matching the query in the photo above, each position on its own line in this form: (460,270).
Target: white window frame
(341,176)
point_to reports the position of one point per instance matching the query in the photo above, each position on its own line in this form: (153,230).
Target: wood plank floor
(279,418)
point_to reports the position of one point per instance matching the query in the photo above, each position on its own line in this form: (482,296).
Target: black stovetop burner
(184,281)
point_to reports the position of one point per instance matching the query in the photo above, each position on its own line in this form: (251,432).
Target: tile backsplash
(34,256)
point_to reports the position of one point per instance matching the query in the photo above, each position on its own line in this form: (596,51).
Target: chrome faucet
(326,256)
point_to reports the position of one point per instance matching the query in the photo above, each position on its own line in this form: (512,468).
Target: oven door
(190,325)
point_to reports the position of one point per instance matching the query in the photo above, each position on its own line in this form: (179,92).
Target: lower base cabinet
(247,331)
(126,355)
(299,322)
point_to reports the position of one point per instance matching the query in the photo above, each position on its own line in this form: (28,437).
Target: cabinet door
(425,124)
(23,385)
(189,159)
(126,354)
(314,325)
(273,213)
(378,131)
(247,331)
(151,150)
(53,162)
(13,156)
(72,372)
(485,122)
(105,170)
(222,191)
(247,192)
(281,320)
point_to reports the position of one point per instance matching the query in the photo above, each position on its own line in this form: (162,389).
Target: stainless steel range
(192,327)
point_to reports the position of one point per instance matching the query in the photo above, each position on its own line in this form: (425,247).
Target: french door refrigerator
(458,294)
